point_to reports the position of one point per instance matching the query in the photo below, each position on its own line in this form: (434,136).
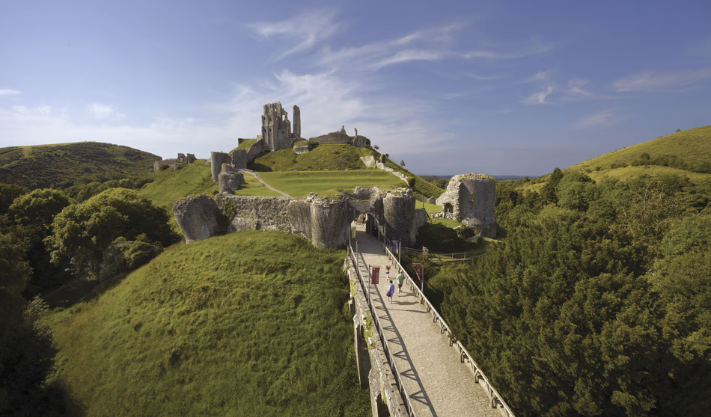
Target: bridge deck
(437,383)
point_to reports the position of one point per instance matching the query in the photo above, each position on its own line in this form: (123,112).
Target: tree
(38,208)
(549,189)
(376,147)
(8,194)
(402,162)
(82,232)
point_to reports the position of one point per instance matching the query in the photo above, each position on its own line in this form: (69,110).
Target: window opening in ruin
(448,208)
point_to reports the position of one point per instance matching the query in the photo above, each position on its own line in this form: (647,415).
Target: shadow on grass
(80,290)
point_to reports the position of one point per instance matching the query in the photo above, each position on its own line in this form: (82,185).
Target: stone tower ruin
(276,127)
(471,199)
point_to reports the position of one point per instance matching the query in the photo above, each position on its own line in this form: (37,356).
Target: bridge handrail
(381,334)
(464,353)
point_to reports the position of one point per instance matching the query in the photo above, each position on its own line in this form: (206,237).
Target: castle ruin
(276,127)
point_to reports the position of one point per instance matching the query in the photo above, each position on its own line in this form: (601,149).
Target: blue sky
(502,87)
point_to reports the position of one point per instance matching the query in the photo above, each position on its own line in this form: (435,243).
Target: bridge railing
(381,334)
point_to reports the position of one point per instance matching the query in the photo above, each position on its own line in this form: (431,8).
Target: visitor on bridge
(400,281)
(391,291)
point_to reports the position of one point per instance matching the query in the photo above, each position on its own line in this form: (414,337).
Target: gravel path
(436,381)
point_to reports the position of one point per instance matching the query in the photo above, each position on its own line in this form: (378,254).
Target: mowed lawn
(329,183)
(252,187)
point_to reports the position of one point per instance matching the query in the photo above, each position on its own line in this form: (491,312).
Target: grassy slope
(324,156)
(60,165)
(421,186)
(170,185)
(691,145)
(247,324)
(328,183)
(244,145)
(630,171)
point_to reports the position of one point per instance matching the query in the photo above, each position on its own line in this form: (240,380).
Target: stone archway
(448,208)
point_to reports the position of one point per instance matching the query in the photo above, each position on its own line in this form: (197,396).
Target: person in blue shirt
(391,290)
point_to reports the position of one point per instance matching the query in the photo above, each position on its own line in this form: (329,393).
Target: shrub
(164,167)
(645,156)
(411,182)
(125,256)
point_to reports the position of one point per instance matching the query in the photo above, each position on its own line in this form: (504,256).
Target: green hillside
(689,150)
(61,165)
(246,324)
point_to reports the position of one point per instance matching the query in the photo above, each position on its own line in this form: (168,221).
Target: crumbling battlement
(181,160)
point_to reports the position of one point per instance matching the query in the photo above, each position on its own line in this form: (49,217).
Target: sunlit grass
(328,183)
(247,324)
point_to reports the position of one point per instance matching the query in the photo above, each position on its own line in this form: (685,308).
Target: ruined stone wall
(297,123)
(301,149)
(399,215)
(256,149)
(329,222)
(333,137)
(473,200)
(198,217)
(360,141)
(239,159)
(216,160)
(259,213)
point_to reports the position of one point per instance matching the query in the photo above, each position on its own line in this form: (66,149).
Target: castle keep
(276,127)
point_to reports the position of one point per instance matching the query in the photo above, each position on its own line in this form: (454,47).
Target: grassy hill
(246,324)
(689,150)
(61,165)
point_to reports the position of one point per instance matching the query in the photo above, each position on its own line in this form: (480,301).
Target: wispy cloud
(575,87)
(605,118)
(512,51)
(307,29)
(8,92)
(432,44)
(103,112)
(539,76)
(539,97)
(651,81)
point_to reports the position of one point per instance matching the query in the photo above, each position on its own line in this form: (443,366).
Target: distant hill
(61,165)
(251,323)
(687,150)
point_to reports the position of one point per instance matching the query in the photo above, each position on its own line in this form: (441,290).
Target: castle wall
(276,127)
(297,123)
(239,159)
(399,215)
(198,217)
(216,160)
(333,137)
(256,149)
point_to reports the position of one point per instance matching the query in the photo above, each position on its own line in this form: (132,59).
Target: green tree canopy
(38,208)
(82,232)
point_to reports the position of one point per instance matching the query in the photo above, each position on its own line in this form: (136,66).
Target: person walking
(400,281)
(391,290)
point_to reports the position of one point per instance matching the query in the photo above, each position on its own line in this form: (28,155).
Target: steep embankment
(62,164)
(247,324)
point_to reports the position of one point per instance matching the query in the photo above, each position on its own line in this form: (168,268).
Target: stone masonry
(471,198)
(276,127)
